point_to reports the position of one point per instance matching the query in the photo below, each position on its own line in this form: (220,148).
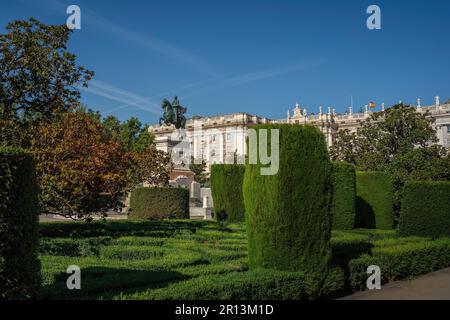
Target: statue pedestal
(178,147)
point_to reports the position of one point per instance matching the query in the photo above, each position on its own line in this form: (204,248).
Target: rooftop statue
(173,113)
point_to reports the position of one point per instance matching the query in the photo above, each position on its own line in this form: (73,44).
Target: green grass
(182,259)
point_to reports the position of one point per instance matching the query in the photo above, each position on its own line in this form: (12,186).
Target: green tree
(39,75)
(80,169)
(131,134)
(112,124)
(385,135)
(199,170)
(343,147)
(399,141)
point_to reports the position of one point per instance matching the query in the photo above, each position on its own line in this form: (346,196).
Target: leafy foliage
(343,148)
(39,76)
(131,134)
(425,209)
(157,203)
(399,141)
(80,169)
(399,261)
(287,214)
(199,170)
(343,181)
(374,200)
(19,211)
(226,190)
(150,166)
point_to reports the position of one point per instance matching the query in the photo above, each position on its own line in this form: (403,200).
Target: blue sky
(260,57)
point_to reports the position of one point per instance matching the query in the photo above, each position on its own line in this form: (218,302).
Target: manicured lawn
(183,259)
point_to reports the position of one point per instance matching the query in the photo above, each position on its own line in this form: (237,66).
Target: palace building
(221,139)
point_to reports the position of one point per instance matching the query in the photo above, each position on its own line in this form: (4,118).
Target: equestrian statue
(173,113)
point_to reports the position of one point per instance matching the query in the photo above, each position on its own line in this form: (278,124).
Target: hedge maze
(273,239)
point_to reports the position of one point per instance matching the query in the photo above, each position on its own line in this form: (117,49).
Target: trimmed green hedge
(425,209)
(257,284)
(159,203)
(287,214)
(226,189)
(19,217)
(374,200)
(343,204)
(401,261)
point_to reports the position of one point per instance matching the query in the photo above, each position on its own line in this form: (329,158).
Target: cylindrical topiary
(374,200)
(226,189)
(19,218)
(425,209)
(343,203)
(287,213)
(159,203)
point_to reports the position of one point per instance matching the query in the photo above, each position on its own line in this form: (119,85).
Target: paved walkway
(432,286)
(56,218)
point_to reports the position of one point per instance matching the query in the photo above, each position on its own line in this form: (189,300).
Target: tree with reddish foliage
(81,170)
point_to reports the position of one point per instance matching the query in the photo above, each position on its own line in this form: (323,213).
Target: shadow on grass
(104,282)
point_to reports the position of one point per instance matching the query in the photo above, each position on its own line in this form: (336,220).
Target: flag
(372,105)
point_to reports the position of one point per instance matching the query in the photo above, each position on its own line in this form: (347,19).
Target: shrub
(287,214)
(346,247)
(226,189)
(401,261)
(343,204)
(72,247)
(425,209)
(157,203)
(252,285)
(374,200)
(19,214)
(131,252)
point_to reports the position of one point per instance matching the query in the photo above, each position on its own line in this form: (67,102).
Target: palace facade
(221,139)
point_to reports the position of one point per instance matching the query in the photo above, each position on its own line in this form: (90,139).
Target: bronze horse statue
(173,114)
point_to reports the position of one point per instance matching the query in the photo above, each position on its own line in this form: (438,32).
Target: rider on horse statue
(173,113)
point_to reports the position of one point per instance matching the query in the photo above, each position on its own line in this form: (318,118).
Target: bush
(374,200)
(401,261)
(255,284)
(287,214)
(343,204)
(425,209)
(226,189)
(158,203)
(19,216)
(348,246)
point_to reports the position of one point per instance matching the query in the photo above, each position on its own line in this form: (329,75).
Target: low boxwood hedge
(158,203)
(343,203)
(255,284)
(19,216)
(425,209)
(374,200)
(401,261)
